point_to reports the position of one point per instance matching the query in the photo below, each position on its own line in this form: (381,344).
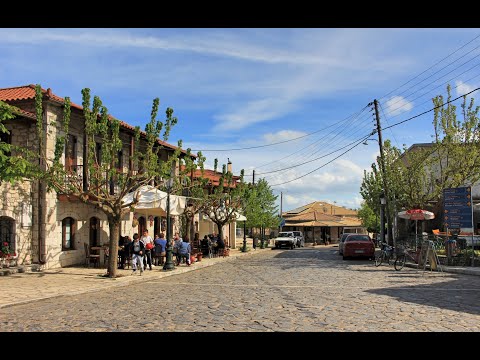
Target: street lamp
(169,249)
(244,248)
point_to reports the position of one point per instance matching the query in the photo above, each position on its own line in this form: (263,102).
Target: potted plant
(6,255)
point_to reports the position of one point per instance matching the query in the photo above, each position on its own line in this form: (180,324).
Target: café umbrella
(416,214)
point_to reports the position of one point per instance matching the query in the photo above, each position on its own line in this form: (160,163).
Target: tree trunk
(220,230)
(114,226)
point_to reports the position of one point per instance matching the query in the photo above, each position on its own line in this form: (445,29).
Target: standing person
(148,243)
(125,243)
(220,246)
(176,243)
(137,250)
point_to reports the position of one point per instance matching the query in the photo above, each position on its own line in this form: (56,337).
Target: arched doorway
(7,232)
(156,226)
(142,225)
(94,238)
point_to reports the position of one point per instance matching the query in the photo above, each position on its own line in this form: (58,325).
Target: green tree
(416,178)
(225,201)
(260,210)
(369,218)
(105,172)
(15,162)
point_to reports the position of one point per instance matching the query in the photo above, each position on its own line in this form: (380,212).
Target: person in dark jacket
(137,249)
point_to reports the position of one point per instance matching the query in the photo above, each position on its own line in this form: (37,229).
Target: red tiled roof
(27,92)
(212,176)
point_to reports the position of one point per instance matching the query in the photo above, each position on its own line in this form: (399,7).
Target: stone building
(45,227)
(320,221)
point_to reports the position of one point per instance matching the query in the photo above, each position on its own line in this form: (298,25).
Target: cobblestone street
(307,289)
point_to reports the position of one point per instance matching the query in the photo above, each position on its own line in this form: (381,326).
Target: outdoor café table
(100,248)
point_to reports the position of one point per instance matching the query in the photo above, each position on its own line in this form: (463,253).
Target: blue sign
(457,207)
(282,222)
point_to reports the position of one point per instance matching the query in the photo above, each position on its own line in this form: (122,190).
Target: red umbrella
(416,214)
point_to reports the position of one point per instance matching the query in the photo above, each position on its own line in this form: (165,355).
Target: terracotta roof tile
(27,92)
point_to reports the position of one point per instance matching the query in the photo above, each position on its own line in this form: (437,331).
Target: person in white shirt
(147,239)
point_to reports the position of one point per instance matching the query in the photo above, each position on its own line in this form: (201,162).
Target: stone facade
(26,213)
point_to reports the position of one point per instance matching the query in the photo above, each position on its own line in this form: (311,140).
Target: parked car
(300,239)
(285,238)
(342,242)
(358,245)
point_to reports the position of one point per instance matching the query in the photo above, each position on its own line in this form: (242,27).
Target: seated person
(184,251)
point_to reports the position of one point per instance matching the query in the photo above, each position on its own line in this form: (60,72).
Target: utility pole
(384,177)
(281,211)
(253,181)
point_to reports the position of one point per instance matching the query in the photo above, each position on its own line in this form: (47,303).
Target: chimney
(49,92)
(229,166)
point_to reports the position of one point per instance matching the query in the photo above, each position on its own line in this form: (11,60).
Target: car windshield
(285,234)
(296,233)
(358,238)
(344,236)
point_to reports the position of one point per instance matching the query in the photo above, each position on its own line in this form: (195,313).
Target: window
(71,154)
(68,233)
(98,153)
(120,160)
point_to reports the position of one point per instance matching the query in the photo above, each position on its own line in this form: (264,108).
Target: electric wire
(267,145)
(325,164)
(425,112)
(438,62)
(282,167)
(296,152)
(416,91)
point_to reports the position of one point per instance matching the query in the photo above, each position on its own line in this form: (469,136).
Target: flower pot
(199,256)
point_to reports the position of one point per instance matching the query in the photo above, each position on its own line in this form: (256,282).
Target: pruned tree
(224,201)
(105,181)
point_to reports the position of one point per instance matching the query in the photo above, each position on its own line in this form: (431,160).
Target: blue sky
(234,88)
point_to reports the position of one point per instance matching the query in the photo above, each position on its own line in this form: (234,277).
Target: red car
(357,245)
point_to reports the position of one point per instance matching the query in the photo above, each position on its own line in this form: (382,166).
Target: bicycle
(385,255)
(402,257)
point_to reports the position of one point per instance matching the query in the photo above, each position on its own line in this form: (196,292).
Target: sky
(259,89)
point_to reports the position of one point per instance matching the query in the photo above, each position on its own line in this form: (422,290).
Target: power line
(425,112)
(423,72)
(309,161)
(296,152)
(383,112)
(272,144)
(354,146)
(466,62)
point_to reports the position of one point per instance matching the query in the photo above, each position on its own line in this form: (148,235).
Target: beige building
(320,221)
(45,227)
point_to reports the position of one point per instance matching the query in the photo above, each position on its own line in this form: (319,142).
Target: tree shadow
(461,293)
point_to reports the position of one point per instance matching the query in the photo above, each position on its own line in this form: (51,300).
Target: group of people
(145,251)
(212,244)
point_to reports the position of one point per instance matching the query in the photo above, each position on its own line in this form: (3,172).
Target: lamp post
(244,248)
(169,249)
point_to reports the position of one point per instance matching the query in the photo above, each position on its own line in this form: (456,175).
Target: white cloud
(463,88)
(397,105)
(282,135)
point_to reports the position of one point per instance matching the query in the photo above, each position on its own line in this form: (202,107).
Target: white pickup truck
(287,239)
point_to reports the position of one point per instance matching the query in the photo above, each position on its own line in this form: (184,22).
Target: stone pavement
(20,288)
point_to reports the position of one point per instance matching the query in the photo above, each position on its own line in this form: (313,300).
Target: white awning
(240,217)
(152,201)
